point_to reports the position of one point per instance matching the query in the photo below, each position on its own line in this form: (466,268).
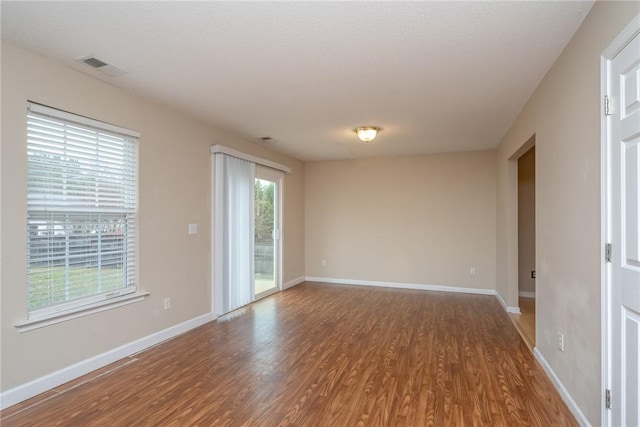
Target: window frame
(99,301)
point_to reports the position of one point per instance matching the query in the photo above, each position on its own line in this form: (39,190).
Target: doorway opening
(265,234)
(247,219)
(520,308)
(526,320)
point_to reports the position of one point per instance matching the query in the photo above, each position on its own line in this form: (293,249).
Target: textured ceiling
(437,76)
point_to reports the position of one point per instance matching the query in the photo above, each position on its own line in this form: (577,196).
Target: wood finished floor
(525,322)
(322,355)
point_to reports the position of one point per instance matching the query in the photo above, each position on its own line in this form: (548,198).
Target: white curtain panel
(238,225)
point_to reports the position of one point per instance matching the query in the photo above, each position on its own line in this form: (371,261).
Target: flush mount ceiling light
(367,133)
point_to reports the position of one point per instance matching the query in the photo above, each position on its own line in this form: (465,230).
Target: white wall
(174,190)
(417,220)
(564,115)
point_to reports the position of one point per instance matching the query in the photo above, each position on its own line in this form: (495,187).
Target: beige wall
(527,220)
(174,191)
(418,219)
(564,115)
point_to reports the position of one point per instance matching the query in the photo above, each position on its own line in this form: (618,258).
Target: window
(81,211)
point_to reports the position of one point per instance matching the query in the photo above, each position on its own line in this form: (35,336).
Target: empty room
(320,213)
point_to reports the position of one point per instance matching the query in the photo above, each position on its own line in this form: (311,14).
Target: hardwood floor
(525,322)
(322,355)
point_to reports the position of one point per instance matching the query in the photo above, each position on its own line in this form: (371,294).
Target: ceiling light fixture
(367,133)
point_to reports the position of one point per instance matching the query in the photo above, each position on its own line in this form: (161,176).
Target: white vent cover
(103,67)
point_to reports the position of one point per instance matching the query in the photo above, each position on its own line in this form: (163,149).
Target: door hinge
(607,252)
(607,112)
(607,399)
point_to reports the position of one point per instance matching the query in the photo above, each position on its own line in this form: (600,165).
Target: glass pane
(265,220)
(74,255)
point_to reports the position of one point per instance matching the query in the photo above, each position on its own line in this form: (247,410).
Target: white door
(624,209)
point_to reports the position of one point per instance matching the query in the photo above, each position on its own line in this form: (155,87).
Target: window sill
(85,310)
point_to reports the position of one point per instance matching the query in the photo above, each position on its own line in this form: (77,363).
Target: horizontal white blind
(81,120)
(81,213)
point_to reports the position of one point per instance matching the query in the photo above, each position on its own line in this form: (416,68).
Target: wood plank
(325,355)
(525,322)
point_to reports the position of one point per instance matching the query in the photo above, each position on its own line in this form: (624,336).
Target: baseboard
(526,294)
(421,287)
(562,390)
(507,308)
(292,283)
(54,379)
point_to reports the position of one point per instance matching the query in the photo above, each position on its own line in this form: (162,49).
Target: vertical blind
(235,197)
(81,210)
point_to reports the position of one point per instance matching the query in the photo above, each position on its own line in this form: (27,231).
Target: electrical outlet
(167,303)
(533,274)
(560,342)
(324,262)
(472,271)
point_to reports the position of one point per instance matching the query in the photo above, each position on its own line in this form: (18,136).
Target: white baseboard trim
(507,308)
(54,379)
(562,390)
(526,294)
(292,283)
(421,287)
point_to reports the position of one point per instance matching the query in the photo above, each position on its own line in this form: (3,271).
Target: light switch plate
(193,228)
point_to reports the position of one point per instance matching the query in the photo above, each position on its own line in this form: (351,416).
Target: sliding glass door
(266,231)
(247,206)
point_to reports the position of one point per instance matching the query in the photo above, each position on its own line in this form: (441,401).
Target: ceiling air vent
(94,62)
(103,67)
(267,140)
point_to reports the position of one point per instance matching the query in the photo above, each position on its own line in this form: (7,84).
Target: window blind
(81,211)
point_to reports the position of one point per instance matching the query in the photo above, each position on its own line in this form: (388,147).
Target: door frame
(512,226)
(630,31)
(216,246)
